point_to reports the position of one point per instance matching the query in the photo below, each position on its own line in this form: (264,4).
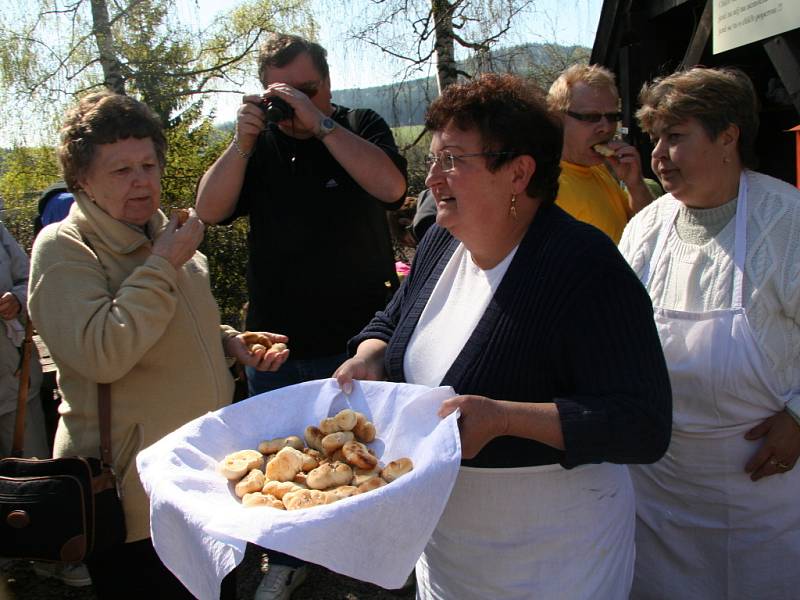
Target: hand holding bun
(604,150)
(181,214)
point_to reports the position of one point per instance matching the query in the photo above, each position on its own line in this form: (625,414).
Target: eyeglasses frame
(431,159)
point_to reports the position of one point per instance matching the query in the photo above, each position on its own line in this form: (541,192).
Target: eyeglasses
(613,117)
(447,160)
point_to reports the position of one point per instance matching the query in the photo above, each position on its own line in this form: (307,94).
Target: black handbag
(60,509)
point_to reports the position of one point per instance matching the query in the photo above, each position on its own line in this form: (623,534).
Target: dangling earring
(513,210)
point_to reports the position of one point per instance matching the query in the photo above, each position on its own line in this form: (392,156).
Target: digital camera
(276,109)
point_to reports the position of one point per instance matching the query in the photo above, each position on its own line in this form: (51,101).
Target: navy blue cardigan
(570,323)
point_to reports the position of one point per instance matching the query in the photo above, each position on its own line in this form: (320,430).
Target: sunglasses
(613,117)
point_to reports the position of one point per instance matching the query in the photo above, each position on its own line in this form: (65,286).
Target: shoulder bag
(60,509)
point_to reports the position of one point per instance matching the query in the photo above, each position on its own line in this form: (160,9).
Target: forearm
(367,164)
(534,421)
(639,196)
(372,351)
(97,334)
(220,187)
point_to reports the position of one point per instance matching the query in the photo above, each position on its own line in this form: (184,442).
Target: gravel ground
(19,582)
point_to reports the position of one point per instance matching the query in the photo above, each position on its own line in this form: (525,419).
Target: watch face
(328,124)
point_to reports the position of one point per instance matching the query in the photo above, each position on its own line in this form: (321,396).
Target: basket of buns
(305,470)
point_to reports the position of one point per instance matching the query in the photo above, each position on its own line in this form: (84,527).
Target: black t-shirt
(320,248)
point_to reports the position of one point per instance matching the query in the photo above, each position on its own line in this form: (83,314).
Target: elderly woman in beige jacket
(120,295)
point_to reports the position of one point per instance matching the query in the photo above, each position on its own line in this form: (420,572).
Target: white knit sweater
(700,277)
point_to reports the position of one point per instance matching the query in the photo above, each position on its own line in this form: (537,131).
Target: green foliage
(25,171)
(414,144)
(192,150)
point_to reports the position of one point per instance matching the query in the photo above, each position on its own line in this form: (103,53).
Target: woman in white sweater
(718,516)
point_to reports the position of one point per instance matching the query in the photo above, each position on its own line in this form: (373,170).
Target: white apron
(533,533)
(704,530)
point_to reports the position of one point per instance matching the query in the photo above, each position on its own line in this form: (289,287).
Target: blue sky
(564,21)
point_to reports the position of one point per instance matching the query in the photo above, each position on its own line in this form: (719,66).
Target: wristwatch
(326,125)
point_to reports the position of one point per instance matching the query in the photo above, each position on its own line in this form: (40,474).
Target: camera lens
(276,109)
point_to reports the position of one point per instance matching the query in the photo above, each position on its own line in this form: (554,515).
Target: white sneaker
(75,575)
(280,581)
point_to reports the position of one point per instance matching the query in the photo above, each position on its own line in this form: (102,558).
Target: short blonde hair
(717,98)
(595,76)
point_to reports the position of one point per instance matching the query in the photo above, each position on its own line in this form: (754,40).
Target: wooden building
(643,39)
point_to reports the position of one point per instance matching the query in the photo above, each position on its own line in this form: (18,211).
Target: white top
(456,305)
(699,278)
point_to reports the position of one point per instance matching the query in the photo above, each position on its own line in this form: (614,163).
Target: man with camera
(315,180)
(601,177)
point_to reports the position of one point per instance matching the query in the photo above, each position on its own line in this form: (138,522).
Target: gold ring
(782,465)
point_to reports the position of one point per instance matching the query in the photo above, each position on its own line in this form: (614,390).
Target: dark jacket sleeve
(621,410)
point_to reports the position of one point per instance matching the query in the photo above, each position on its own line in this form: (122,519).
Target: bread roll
(371,484)
(603,150)
(340,493)
(304,499)
(329,476)
(332,442)
(396,468)
(182,214)
(279,488)
(314,437)
(286,464)
(312,459)
(259,499)
(355,453)
(238,464)
(364,430)
(362,475)
(274,445)
(252,482)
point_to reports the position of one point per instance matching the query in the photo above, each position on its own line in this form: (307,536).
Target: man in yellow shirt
(586,100)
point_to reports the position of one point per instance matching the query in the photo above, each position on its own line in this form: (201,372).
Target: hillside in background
(405,103)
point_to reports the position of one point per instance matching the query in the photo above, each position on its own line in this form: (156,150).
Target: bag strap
(103,403)
(22,396)
(104,416)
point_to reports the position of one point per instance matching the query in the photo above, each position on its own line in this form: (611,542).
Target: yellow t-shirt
(591,194)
